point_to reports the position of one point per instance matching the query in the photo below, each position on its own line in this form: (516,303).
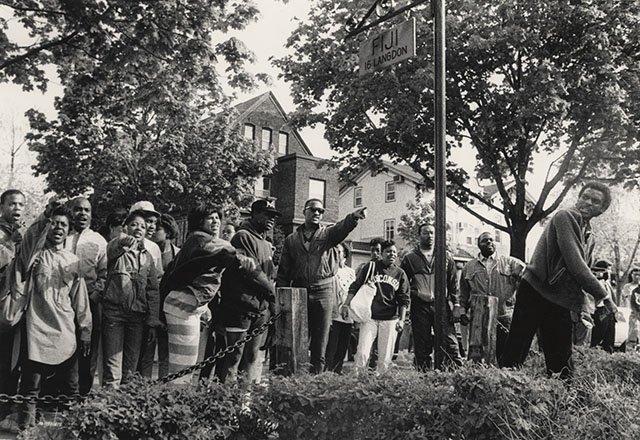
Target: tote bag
(360,307)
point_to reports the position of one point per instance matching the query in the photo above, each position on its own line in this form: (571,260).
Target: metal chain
(63,398)
(213,359)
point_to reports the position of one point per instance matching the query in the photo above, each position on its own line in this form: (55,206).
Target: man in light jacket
(309,260)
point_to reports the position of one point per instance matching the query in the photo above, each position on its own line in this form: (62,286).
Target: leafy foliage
(418,212)
(143,114)
(474,401)
(523,77)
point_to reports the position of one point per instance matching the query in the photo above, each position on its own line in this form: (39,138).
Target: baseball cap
(263,205)
(145,206)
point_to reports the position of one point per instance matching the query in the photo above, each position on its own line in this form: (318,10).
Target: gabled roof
(491,190)
(399,169)
(247,107)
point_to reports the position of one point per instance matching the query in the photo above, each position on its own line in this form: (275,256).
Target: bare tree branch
(46,46)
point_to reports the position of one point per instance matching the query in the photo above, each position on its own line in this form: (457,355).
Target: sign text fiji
(390,47)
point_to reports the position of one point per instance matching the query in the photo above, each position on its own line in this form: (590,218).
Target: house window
(390,191)
(266,138)
(249,132)
(317,189)
(470,240)
(389,229)
(357,197)
(283,143)
(497,237)
(263,187)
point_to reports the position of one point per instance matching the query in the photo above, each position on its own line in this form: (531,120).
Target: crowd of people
(75,301)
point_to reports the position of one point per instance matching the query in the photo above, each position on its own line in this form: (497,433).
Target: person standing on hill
(550,298)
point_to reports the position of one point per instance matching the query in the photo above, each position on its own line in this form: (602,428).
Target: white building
(386,195)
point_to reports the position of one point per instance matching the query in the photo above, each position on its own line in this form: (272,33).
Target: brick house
(297,175)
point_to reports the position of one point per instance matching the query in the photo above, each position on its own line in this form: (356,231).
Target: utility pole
(439,24)
(440,104)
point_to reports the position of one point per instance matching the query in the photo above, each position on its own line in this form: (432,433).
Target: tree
(617,235)
(418,212)
(143,114)
(523,77)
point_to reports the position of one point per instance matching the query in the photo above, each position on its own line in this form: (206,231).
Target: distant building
(387,194)
(297,174)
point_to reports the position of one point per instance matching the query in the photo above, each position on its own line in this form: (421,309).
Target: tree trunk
(518,237)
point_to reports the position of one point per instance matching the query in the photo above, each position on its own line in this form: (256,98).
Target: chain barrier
(63,398)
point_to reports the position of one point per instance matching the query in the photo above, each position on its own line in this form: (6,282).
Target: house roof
(245,108)
(491,190)
(399,169)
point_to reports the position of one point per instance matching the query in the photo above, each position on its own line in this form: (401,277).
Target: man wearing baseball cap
(151,217)
(242,308)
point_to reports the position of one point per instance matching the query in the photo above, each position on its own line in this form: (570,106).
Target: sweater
(249,293)
(392,290)
(560,265)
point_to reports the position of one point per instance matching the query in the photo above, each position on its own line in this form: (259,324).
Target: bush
(472,402)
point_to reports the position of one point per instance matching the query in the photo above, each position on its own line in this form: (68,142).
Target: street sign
(389,47)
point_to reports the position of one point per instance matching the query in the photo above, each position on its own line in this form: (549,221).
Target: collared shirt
(495,276)
(91,249)
(58,299)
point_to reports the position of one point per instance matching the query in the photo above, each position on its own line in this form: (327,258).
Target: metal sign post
(442,314)
(438,9)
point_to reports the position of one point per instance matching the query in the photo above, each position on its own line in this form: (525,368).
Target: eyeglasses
(318,210)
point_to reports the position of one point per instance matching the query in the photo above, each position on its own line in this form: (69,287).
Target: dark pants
(8,377)
(555,329)
(339,338)
(247,357)
(320,303)
(87,365)
(603,333)
(122,342)
(65,375)
(502,334)
(422,324)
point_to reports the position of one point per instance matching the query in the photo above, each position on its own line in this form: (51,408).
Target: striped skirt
(183,331)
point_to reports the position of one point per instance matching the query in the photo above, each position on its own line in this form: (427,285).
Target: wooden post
(482,329)
(291,350)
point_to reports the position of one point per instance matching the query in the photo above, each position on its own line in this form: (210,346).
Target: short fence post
(482,329)
(291,349)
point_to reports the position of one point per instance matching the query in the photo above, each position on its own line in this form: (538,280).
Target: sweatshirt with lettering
(392,290)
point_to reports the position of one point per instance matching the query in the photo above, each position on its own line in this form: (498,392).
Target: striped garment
(183,330)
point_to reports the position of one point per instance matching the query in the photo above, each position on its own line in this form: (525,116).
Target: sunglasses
(318,210)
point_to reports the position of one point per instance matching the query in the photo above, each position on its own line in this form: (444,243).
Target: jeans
(148,354)
(320,303)
(65,375)
(87,365)
(339,338)
(386,334)
(534,313)
(423,324)
(122,342)
(246,358)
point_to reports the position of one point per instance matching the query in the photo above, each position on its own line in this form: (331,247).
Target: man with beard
(419,267)
(242,308)
(309,260)
(551,294)
(12,204)
(91,249)
(492,275)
